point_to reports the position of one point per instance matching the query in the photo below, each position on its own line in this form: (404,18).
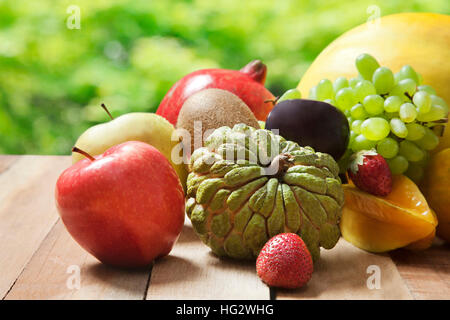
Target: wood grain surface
(39,259)
(346,272)
(61,269)
(193,272)
(27,210)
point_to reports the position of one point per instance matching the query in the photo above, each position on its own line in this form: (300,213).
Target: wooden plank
(342,273)
(27,210)
(39,259)
(191,271)
(426,273)
(6,162)
(61,269)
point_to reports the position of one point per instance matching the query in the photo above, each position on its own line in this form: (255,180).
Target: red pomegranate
(247,84)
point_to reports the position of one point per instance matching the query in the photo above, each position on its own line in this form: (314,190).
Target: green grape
(420,79)
(408,86)
(384,116)
(349,119)
(313,93)
(398,164)
(390,115)
(415,131)
(366,65)
(353,82)
(439,101)
(383,80)
(414,172)
(429,141)
(358,112)
(374,104)
(340,83)
(290,95)
(407,112)
(407,72)
(398,128)
(423,163)
(405,86)
(330,101)
(422,100)
(345,98)
(396,77)
(375,128)
(410,151)
(426,88)
(392,104)
(387,148)
(356,126)
(364,88)
(437,112)
(352,138)
(361,143)
(324,90)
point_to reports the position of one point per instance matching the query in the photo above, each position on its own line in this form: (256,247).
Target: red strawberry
(285,262)
(370,172)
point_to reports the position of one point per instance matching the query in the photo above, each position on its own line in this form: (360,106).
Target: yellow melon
(421,40)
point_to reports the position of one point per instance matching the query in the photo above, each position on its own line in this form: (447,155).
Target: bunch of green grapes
(394,113)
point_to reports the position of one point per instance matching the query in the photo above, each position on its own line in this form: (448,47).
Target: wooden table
(39,259)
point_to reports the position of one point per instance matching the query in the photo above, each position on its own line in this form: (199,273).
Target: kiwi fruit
(213,108)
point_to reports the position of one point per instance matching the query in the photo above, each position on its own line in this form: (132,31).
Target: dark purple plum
(311,123)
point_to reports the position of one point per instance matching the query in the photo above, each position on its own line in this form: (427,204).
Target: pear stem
(274,101)
(107,111)
(84,153)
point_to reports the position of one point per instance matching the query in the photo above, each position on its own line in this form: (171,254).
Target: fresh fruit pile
(394,113)
(247,185)
(123,199)
(253,193)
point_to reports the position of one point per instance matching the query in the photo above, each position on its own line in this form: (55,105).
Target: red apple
(247,84)
(125,206)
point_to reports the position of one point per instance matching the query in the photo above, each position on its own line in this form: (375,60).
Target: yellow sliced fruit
(422,244)
(379,224)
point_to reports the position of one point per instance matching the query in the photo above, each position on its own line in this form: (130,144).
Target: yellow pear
(138,126)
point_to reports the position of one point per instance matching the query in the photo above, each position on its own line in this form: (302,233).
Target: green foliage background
(128,53)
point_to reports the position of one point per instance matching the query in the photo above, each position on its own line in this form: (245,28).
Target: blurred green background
(128,53)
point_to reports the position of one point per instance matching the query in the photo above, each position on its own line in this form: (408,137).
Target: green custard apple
(246,185)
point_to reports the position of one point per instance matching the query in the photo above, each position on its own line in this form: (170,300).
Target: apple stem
(84,153)
(107,111)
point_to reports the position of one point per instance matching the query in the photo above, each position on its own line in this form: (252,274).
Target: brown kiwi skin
(215,108)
